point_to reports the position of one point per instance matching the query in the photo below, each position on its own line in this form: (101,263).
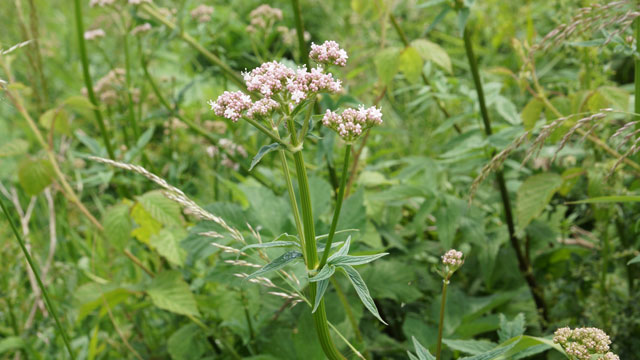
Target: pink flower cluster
(262,107)
(328,53)
(263,17)
(352,122)
(584,342)
(231,104)
(453,258)
(305,83)
(269,78)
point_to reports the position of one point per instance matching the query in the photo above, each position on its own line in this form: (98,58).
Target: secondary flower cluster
(328,53)
(352,122)
(202,13)
(230,148)
(582,343)
(263,17)
(94,34)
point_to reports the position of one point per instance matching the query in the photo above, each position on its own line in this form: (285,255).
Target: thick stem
(87,78)
(523,263)
(43,290)
(302,45)
(336,212)
(443,302)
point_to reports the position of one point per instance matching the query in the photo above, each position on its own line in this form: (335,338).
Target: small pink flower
(262,107)
(231,105)
(352,122)
(268,79)
(329,53)
(453,258)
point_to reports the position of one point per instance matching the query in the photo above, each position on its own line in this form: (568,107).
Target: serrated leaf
(320,290)
(511,329)
(387,62)
(117,225)
(421,351)
(533,196)
(277,264)
(531,113)
(324,274)
(167,244)
(162,209)
(356,260)
(169,292)
(35,175)
(262,152)
(410,64)
(13,148)
(471,347)
(362,290)
(189,342)
(430,51)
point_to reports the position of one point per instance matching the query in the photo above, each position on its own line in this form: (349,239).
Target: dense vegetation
(310,179)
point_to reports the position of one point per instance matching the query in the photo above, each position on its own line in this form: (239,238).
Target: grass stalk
(87,77)
(43,290)
(523,262)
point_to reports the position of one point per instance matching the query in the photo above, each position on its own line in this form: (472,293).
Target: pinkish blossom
(94,34)
(453,258)
(262,107)
(263,17)
(202,13)
(269,78)
(306,83)
(352,122)
(231,105)
(582,343)
(141,29)
(328,53)
(101,3)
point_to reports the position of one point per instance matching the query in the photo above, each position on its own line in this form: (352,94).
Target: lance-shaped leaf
(324,274)
(421,351)
(324,236)
(277,264)
(320,290)
(333,245)
(283,240)
(344,250)
(362,290)
(355,260)
(262,152)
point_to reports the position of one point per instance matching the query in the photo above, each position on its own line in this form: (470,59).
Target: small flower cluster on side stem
(584,343)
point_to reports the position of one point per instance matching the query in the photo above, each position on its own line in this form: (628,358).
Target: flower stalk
(451,261)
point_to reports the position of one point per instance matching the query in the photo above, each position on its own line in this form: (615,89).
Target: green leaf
(533,196)
(147,225)
(421,351)
(511,329)
(117,225)
(13,148)
(320,290)
(56,118)
(448,218)
(608,199)
(277,264)
(635,260)
(344,250)
(35,175)
(507,110)
(410,64)
(617,98)
(324,274)
(492,354)
(356,260)
(167,244)
(387,62)
(471,347)
(524,344)
(362,290)
(262,152)
(169,292)
(79,103)
(531,113)
(162,209)
(463,16)
(272,244)
(430,51)
(11,343)
(189,342)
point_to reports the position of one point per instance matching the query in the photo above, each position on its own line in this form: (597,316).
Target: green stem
(443,302)
(127,62)
(347,310)
(311,252)
(297,11)
(230,73)
(45,295)
(87,78)
(336,212)
(266,131)
(637,70)
(523,263)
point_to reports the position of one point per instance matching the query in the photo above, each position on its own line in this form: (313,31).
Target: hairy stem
(87,78)
(523,263)
(336,212)
(443,303)
(43,290)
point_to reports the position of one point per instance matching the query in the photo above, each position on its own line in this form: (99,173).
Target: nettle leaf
(507,110)
(117,225)
(387,62)
(277,264)
(262,152)
(324,274)
(320,290)
(362,290)
(167,244)
(162,209)
(411,64)
(533,196)
(471,347)
(343,251)
(169,292)
(510,329)
(421,351)
(35,175)
(355,260)
(189,342)
(430,51)
(13,148)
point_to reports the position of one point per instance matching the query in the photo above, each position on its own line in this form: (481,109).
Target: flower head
(101,3)
(231,104)
(138,2)
(202,13)
(352,122)
(269,78)
(305,83)
(262,107)
(328,53)
(453,258)
(582,343)
(141,29)
(263,17)
(94,34)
